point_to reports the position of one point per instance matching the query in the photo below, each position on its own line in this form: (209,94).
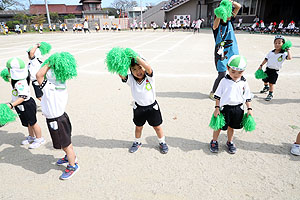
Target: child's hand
(260,67)
(250,113)
(217,112)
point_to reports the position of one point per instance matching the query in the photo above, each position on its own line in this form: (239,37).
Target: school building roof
(58,8)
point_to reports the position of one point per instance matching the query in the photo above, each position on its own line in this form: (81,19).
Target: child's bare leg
(138,131)
(37,130)
(30,131)
(159,131)
(298,139)
(70,154)
(271,87)
(229,134)
(216,135)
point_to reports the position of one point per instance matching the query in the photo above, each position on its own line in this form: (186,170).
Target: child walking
(232,92)
(274,60)
(23,103)
(142,83)
(57,69)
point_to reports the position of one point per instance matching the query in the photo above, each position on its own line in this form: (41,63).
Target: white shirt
(21,89)
(34,66)
(275,61)
(143,93)
(55,97)
(85,24)
(231,92)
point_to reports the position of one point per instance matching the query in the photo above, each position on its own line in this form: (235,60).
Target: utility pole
(48,16)
(141,14)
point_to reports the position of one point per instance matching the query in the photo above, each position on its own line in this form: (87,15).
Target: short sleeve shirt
(34,66)
(21,90)
(231,92)
(143,93)
(275,60)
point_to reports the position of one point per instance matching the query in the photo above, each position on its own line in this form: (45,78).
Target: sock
(214,141)
(137,140)
(266,86)
(162,140)
(271,93)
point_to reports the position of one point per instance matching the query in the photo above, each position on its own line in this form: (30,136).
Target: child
(54,101)
(232,92)
(23,103)
(296,146)
(274,60)
(146,108)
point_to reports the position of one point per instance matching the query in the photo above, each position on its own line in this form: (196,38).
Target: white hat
(237,62)
(18,69)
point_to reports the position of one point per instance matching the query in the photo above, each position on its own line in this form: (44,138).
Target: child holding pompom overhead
(232,92)
(52,77)
(225,41)
(274,60)
(142,83)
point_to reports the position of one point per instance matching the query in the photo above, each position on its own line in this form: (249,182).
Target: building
(135,12)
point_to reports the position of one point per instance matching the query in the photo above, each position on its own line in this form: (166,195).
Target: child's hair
(133,63)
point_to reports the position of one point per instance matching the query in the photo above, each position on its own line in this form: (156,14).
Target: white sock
(162,140)
(137,140)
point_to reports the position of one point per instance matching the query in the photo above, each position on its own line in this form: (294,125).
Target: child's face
(278,44)
(138,71)
(234,74)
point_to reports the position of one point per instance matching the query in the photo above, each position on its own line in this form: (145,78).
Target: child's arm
(15,103)
(145,65)
(249,112)
(217,108)
(262,64)
(237,7)
(216,23)
(289,56)
(32,51)
(41,74)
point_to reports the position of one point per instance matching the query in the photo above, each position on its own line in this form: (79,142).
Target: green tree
(23,18)
(11,24)
(70,16)
(39,19)
(54,17)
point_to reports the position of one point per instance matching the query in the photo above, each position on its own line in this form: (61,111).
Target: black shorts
(60,129)
(272,76)
(38,92)
(150,113)
(233,116)
(27,112)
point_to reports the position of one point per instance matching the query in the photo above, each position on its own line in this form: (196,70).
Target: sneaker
(265,89)
(28,140)
(211,96)
(295,150)
(269,97)
(231,147)
(214,147)
(135,146)
(65,160)
(163,148)
(69,172)
(37,143)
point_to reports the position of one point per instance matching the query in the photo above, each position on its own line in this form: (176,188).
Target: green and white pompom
(118,60)
(5,75)
(260,74)
(218,122)
(288,44)
(237,62)
(6,115)
(248,123)
(63,64)
(224,11)
(45,48)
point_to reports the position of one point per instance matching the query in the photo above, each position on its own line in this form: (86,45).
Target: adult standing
(225,44)
(86,26)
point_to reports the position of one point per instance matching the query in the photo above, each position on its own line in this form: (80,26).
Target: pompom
(248,123)
(260,74)
(6,115)
(63,64)
(118,60)
(45,48)
(224,10)
(218,122)
(286,45)
(5,75)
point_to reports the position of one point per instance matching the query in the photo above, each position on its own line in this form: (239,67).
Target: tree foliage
(54,17)
(111,12)
(23,18)
(4,4)
(70,16)
(39,19)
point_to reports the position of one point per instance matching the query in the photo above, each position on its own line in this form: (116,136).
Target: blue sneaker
(214,147)
(69,172)
(64,160)
(135,146)
(231,147)
(163,148)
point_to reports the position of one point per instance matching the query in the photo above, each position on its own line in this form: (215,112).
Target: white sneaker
(36,143)
(28,140)
(295,150)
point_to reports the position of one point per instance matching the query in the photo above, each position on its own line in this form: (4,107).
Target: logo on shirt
(14,93)
(148,85)
(280,59)
(20,86)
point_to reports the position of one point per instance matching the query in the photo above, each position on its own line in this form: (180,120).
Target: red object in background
(275,23)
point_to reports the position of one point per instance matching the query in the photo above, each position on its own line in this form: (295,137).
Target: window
(249,7)
(92,6)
